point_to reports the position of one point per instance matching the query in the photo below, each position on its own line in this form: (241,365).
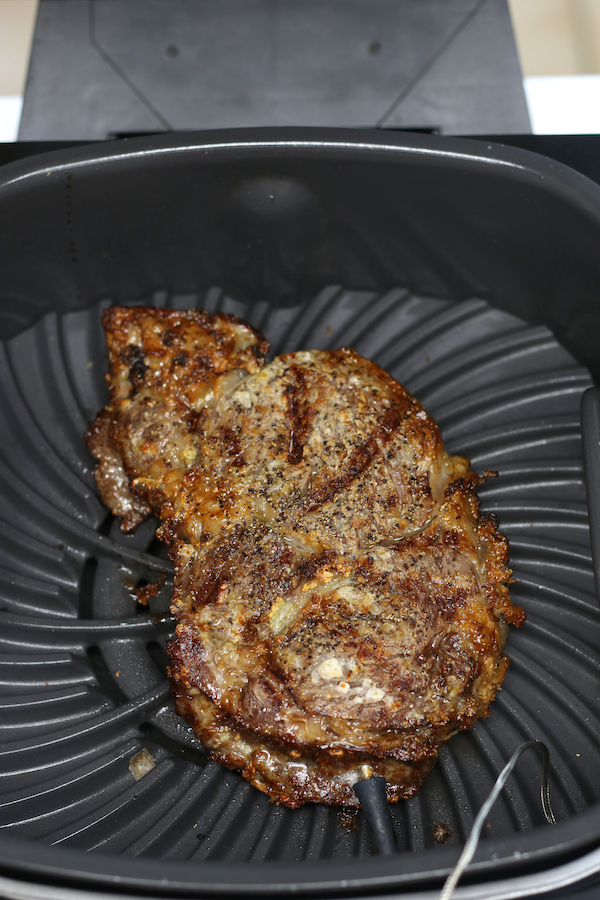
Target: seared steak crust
(164,365)
(339,599)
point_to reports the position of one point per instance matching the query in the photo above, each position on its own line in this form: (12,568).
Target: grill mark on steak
(361,458)
(203,580)
(300,412)
(252,555)
(232,446)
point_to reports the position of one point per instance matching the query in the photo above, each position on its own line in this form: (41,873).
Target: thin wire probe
(473,839)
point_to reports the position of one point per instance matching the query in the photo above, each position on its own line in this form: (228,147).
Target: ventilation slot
(86,588)
(104,676)
(173,746)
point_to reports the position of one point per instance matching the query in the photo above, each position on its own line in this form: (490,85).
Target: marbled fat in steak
(339,599)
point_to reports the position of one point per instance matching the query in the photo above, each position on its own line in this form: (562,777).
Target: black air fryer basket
(472,273)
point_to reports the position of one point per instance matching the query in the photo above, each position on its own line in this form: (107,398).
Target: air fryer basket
(470,272)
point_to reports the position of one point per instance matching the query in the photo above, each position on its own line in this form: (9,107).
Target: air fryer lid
(84,684)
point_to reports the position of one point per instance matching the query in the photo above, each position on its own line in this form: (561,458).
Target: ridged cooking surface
(82,678)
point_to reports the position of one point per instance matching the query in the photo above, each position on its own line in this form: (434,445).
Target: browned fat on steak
(339,599)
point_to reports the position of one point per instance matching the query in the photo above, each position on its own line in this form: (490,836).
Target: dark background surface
(447,67)
(111,67)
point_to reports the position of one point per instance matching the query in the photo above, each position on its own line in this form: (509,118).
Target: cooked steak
(339,599)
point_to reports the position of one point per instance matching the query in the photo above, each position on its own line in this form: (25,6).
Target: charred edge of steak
(116,318)
(292,778)
(171,355)
(232,447)
(133,359)
(111,478)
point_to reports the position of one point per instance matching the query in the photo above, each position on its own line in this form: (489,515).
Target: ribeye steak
(339,599)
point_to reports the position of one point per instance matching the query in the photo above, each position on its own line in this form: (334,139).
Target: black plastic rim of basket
(568,839)
(493,860)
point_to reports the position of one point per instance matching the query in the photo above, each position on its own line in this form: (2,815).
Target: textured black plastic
(82,662)
(274,215)
(590,432)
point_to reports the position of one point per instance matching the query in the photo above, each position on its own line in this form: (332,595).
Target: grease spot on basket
(142,763)
(348,819)
(441,832)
